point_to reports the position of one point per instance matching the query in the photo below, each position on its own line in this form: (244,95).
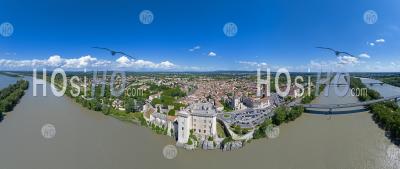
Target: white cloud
(194,48)
(347,60)
(253,64)
(380,40)
(317,65)
(262,64)
(340,63)
(124,62)
(54,60)
(82,62)
(364,55)
(248,63)
(212,54)
(166,65)
(352,64)
(376,42)
(86,62)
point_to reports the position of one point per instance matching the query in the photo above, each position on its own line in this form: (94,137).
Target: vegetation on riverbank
(10,74)
(10,96)
(261,131)
(355,83)
(102,103)
(308,98)
(283,114)
(387,116)
(395,81)
(131,102)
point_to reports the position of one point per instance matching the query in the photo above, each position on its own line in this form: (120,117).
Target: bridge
(374,83)
(338,84)
(345,84)
(347,105)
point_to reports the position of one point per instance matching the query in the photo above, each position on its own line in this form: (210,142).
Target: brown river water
(90,140)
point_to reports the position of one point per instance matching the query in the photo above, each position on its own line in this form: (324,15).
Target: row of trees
(387,115)
(261,132)
(10,96)
(132,98)
(283,114)
(395,81)
(309,98)
(369,95)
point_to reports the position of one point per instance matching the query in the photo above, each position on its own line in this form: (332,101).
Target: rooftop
(199,109)
(203,109)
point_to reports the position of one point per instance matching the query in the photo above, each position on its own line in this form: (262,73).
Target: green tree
(280,115)
(171,112)
(190,142)
(130,105)
(237,129)
(260,131)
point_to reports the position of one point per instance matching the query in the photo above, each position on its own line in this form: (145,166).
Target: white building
(201,118)
(257,103)
(158,119)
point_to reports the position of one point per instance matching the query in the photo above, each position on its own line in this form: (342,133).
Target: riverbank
(10,96)
(385,114)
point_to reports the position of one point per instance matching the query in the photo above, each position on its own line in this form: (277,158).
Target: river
(6,80)
(385,90)
(89,140)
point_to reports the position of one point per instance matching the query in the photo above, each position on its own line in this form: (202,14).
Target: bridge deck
(347,105)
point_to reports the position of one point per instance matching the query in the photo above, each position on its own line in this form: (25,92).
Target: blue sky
(275,33)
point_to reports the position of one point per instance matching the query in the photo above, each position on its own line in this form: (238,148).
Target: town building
(200,118)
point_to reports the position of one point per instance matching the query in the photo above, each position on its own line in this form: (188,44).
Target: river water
(385,90)
(89,140)
(6,80)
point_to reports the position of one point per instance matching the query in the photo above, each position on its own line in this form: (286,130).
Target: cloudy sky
(189,35)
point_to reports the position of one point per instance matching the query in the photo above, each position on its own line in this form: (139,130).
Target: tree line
(387,115)
(283,114)
(395,81)
(10,96)
(370,94)
(309,98)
